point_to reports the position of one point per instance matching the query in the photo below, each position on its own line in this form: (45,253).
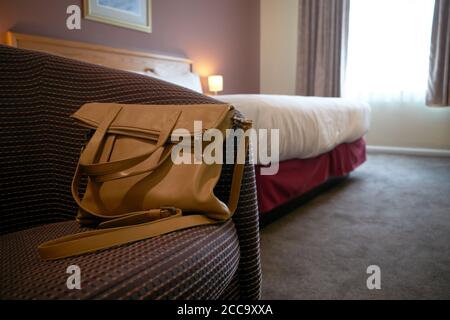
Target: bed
(320,138)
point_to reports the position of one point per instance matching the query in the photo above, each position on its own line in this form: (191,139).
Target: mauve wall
(221,36)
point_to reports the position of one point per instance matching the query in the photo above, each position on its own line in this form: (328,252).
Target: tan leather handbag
(135,191)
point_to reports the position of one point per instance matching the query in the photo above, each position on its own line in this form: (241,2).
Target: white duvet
(309,126)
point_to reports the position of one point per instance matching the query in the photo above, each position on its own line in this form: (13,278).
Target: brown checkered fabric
(38,151)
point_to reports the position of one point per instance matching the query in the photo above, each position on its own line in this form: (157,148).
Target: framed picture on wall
(133,14)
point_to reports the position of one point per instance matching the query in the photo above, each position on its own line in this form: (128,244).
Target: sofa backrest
(40,144)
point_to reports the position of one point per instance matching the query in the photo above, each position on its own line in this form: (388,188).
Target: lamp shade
(215,83)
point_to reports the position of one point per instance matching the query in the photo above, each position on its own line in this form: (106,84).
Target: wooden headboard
(107,56)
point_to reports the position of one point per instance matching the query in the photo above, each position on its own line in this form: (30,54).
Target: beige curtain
(322,46)
(439,79)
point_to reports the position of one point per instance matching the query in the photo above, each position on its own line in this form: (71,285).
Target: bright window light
(389,46)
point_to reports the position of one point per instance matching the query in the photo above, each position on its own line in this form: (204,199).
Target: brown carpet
(393,212)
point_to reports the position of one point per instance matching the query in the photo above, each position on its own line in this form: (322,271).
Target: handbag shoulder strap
(238,170)
(91,241)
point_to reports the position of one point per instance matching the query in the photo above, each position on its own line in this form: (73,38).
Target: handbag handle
(89,153)
(130,173)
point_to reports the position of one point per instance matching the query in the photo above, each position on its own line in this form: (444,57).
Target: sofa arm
(246,219)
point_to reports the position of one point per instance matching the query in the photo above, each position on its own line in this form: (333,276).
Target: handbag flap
(151,119)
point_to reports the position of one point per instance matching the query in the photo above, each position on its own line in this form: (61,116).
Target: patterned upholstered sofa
(39,147)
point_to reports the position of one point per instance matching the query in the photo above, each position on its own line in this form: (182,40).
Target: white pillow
(188,79)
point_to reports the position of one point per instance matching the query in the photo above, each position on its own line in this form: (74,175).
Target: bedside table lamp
(215,83)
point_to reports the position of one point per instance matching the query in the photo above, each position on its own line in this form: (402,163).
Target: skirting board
(409,151)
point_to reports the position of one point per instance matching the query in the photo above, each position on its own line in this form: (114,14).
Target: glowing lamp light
(215,83)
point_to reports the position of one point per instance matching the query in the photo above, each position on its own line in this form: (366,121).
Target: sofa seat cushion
(196,263)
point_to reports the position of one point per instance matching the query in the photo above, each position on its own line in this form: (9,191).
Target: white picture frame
(132,14)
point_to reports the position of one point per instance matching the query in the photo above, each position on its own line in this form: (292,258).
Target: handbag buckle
(242,123)
(171,211)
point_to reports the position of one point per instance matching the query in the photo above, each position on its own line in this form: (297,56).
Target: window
(388,52)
